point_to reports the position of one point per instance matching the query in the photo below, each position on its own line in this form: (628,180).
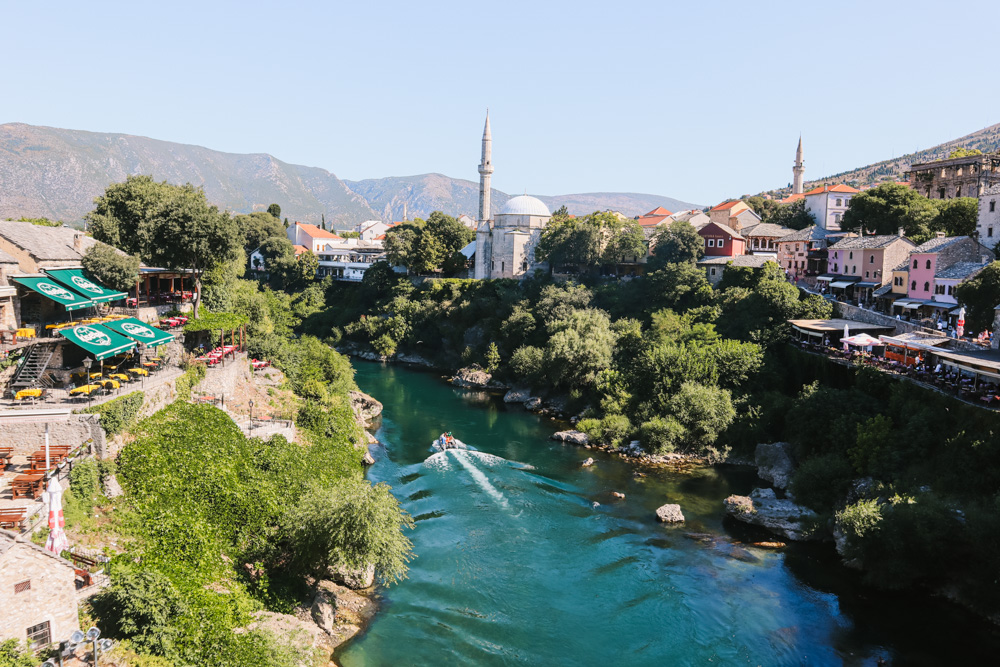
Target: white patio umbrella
(57,542)
(847,334)
(960,328)
(861,340)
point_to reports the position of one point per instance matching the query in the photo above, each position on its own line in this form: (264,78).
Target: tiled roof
(7,259)
(960,270)
(768,230)
(755,261)
(832,188)
(995,190)
(884,289)
(792,197)
(810,233)
(651,220)
(46,243)
(315,232)
(938,243)
(299,249)
(853,243)
(659,210)
(726,205)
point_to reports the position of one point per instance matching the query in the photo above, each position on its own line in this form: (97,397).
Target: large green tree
(111,267)
(956,217)
(887,208)
(257,228)
(185,231)
(624,240)
(120,213)
(980,295)
(676,242)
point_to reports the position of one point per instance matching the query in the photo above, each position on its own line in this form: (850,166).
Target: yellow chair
(27,393)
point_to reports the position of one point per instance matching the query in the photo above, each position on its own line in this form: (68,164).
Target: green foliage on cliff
(120,413)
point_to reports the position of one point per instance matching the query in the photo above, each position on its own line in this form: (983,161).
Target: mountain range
(56,173)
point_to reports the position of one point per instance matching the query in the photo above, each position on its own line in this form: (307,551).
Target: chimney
(78,242)
(901,232)
(939,235)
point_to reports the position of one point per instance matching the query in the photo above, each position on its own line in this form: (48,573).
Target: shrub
(662,435)
(615,429)
(592,427)
(190,379)
(384,345)
(13,655)
(822,482)
(704,411)
(527,362)
(120,413)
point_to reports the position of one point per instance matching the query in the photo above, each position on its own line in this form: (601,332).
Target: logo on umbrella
(137,330)
(82,282)
(92,336)
(56,292)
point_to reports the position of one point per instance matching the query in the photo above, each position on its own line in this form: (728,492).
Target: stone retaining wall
(27,437)
(847,311)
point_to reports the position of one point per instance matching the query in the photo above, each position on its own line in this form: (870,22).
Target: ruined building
(967,176)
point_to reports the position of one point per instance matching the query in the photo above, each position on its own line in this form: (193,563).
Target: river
(515,565)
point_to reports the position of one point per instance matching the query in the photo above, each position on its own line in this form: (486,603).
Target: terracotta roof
(792,197)
(726,205)
(833,188)
(651,220)
(299,249)
(315,232)
(380,237)
(659,210)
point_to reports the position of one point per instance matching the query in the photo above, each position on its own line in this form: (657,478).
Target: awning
(824,277)
(98,341)
(74,279)
(907,303)
(841,283)
(140,331)
(53,290)
(807,332)
(865,283)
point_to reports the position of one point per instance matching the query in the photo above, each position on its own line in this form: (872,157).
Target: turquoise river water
(515,565)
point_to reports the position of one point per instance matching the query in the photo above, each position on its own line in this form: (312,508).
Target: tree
(964,152)
(956,217)
(890,206)
(579,348)
(185,231)
(569,241)
(676,242)
(353,524)
(257,228)
(980,295)
(322,223)
(111,267)
(624,239)
(12,655)
(492,358)
(704,411)
(680,286)
(287,225)
(400,242)
(275,211)
(123,209)
(450,234)
(793,215)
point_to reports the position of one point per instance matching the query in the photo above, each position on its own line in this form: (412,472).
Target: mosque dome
(525,205)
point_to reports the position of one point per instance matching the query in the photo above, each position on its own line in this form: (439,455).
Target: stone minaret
(798,170)
(484,247)
(485,171)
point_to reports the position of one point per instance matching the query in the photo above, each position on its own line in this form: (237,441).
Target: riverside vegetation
(907,476)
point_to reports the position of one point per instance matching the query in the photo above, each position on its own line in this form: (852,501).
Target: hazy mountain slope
(987,140)
(436,192)
(57,173)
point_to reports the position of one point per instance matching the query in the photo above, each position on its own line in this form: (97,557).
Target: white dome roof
(525,205)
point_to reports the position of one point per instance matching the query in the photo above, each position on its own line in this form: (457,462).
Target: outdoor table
(113,384)
(121,377)
(25,332)
(138,371)
(150,364)
(27,393)
(85,390)
(28,485)
(12,517)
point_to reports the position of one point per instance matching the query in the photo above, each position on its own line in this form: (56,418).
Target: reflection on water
(516,565)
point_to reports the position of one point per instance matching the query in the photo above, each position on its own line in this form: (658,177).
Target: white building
(988,223)
(348,259)
(310,236)
(828,203)
(372,229)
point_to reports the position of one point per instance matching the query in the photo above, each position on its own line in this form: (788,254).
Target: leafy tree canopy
(981,295)
(886,208)
(964,152)
(676,242)
(110,267)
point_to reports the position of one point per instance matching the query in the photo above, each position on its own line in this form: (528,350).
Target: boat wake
(468,459)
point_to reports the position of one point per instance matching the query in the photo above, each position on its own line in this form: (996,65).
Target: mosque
(505,245)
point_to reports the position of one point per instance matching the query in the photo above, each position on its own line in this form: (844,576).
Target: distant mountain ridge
(57,173)
(987,140)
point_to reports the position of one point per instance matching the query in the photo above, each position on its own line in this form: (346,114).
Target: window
(711,243)
(851,255)
(866,274)
(993,206)
(524,266)
(854,269)
(927,287)
(913,286)
(835,255)
(840,202)
(39,635)
(951,289)
(871,260)
(914,263)
(501,267)
(796,247)
(928,264)
(958,191)
(22,586)
(940,193)
(834,268)
(989,231)
(712,271)
(939,289)
(493,265)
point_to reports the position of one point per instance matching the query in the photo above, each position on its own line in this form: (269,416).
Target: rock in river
(670,514)
(517,396)
(571,437)
(473,377)
(784,517)
(589,462)
(774,463)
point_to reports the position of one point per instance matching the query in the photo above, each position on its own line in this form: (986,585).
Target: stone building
(859,265)
(505,245)
(715,267)
(968,176)
(37,591)
(8,291)
(763,238)
(802,254)
(36,247)
(988,223)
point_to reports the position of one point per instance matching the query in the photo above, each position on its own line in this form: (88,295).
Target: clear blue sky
(698,101)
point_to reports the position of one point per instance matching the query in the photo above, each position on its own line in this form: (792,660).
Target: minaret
(485,171)
(798,170)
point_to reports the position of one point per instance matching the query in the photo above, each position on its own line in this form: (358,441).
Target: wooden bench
(12,518)
(27,486)
(84,561)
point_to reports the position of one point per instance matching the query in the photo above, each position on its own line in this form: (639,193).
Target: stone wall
(27,437)
(849,312)
(222,381)
(51,596)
